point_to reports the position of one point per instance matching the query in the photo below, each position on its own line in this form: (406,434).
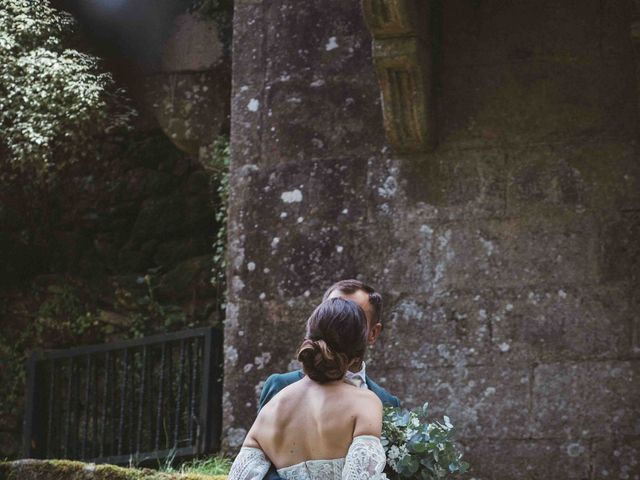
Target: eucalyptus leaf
(419,449)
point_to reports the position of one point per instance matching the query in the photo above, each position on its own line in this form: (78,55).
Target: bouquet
(417,449)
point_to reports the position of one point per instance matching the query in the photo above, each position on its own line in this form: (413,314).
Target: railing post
(27,438)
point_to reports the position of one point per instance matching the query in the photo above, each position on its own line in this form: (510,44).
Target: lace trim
(250,464)
(365,460)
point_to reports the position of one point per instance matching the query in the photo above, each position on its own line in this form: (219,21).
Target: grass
(203,466)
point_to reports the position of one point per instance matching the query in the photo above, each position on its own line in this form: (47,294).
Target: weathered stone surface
(481,401)
(555,32)
(158,216)
(192,108)
(192,46)
(521,459)
(174,251)
(297,223)
(506,257)
(535,95)
(317,49)
(586,399)
(330,115)
(188,279)
(247,92)
(620,240)
(458,330)
(501,253)
(562,324)
(616,458)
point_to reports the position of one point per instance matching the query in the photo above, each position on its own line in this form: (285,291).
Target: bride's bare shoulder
(369,415)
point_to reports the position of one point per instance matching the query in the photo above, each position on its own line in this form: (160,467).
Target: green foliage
(69,469)
(64,311)
(218,167)
(64,315)
(53,100)
(417,449)
(208,466)
(216,465)
(143,311)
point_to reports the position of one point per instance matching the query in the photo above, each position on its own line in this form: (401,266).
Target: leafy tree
(54,100)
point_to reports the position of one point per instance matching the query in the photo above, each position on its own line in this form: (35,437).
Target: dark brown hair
(336,334)
(352,286)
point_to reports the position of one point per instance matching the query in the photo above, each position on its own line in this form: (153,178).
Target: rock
(171,252)
(193,45)
(191,107)
(188,278)
(158,217)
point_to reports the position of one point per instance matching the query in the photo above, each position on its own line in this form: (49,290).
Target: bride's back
(312,421)
(317,417)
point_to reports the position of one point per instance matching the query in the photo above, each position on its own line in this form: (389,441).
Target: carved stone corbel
(402,55)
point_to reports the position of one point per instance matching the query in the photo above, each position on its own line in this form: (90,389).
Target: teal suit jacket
(278,381)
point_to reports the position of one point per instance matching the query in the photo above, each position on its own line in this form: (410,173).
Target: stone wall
(508,256)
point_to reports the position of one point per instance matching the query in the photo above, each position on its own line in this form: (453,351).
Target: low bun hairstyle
(336,334)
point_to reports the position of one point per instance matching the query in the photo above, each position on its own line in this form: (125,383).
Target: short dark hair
(352,286)
(336,334)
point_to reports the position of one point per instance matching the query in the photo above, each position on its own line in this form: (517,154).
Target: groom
(371,302)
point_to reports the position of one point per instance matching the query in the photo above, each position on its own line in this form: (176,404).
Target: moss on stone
(31,469)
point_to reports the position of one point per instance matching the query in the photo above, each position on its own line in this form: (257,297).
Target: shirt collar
(362,373)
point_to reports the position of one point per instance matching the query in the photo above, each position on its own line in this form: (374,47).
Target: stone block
(448,332)
(615,30)
(567,178)
(541,325)
(459,182)
(521,459)
(472,255)
(556,32)
(481,401)
(192,108)
(635,340)
(305,121)
(512,105)
(193,45)
(173,251)
(620,249)
(585,399)
(303,48)
(187,280)
(247,84)
(158,217)
(616,458)
(300,217)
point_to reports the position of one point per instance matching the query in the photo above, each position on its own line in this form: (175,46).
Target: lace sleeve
(250,464)
(365,459)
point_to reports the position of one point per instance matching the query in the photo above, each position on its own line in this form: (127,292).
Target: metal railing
(133,400)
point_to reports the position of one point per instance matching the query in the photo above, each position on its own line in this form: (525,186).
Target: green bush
(217,165)
(53,100)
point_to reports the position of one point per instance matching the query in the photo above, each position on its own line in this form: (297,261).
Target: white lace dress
(365,460)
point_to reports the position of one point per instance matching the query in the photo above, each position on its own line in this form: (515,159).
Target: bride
(320,427)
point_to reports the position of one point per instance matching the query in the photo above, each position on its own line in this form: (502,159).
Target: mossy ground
(72,470)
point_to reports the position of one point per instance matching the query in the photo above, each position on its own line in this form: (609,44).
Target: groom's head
(369,300)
